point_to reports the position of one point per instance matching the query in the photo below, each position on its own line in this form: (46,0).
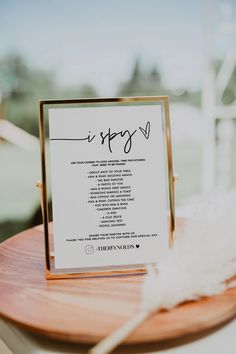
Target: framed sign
(108,166)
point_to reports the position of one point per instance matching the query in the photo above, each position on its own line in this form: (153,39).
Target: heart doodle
(137,246)
(146,131)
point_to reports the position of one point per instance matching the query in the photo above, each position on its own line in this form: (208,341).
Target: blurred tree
(141,83)
(88,91)
(151,83)
(23,87)
(12,70)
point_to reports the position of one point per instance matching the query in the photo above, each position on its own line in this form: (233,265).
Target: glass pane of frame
(77,141)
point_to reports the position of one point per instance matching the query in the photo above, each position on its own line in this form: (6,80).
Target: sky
(97,41)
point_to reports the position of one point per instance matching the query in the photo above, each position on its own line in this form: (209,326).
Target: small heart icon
(146,131)
(137,246)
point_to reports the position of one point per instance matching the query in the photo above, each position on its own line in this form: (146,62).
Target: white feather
(203,257)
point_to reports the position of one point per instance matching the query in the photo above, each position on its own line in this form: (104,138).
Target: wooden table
(86,310)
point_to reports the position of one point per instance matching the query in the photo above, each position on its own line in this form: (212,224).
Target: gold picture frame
(51,272)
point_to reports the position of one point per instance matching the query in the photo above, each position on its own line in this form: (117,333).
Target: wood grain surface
(86,310)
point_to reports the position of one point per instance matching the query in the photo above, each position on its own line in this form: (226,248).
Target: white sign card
(109,184)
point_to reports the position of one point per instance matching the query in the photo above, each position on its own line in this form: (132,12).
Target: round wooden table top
(88,309)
